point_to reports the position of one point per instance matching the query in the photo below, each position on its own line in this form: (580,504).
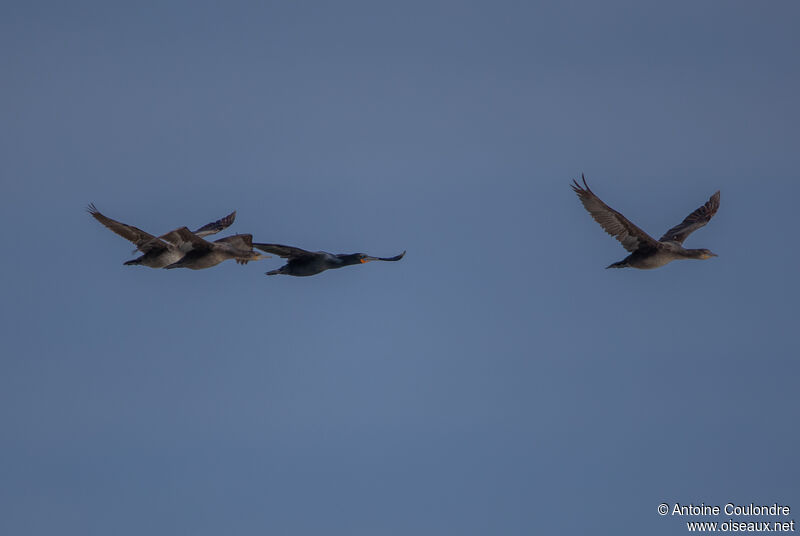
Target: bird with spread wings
(158,252)
(646,252)
(303,263)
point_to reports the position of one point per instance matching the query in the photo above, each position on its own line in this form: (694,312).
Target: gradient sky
(498,380)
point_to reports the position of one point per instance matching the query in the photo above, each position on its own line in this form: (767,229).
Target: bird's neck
(347,260)
(693,253)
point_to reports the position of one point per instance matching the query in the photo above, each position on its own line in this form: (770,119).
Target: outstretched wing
(144,241)
(614,223)
(285,252)
(239,241)
(693,221)
(216,226)
(186,240)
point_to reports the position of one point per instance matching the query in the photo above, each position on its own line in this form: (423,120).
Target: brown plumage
(157,252)
(646,252)
(203,254)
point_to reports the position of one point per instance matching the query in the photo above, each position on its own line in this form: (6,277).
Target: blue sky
(497,379)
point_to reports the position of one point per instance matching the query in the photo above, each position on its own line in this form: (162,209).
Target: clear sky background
(498,380)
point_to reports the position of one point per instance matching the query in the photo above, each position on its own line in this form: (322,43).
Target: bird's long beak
(391,259)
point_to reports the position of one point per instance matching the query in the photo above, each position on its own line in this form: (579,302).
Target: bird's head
(363,258)
(355,258)
(705,254)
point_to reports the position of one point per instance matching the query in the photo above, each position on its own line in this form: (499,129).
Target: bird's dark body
(311,265)
(302,263)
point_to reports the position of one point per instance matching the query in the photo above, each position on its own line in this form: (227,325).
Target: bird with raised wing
(203,254)
(157,252)
(304,263)
(646,252)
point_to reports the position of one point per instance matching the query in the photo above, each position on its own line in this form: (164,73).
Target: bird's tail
(620,264)
(132,262)
(275,272)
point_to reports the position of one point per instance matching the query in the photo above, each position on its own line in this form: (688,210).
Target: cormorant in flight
(304,263)
(203,254)
(157,252)
(646,252)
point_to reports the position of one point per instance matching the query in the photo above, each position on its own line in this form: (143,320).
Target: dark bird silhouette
(157,252)
(304,263)
(646,252)
(203,254)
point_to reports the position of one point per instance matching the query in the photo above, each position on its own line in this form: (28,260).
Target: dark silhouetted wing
(216,226)
(285,252)
(693,221)
(614,223)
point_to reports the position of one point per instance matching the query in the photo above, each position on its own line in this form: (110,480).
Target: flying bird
(157,252)
(203,254)
(645,252)
(304,263)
